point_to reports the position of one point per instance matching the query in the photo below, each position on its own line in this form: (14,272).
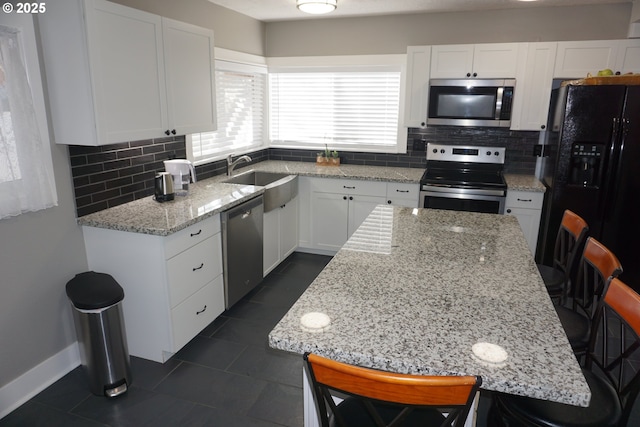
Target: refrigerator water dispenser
(586,165)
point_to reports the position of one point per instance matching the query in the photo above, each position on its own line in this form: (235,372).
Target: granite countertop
(211,196)
(147,216)
(414,289)
(524,183)
(369,173)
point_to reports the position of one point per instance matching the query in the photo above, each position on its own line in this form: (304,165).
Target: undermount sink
(279,188)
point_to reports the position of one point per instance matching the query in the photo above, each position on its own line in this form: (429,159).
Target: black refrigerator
(593,168)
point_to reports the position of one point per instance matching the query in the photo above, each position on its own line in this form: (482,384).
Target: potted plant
(321,159)
(335,159)
(327,157)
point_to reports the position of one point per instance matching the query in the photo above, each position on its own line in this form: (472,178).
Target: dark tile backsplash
(519,144)
(111,175)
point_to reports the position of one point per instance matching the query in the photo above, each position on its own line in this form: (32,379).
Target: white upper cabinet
(119,74)
(125,59)
(574,60)
(418,62)
(452,61)
(533,88)
(492,60)
(190,74)
(628,58)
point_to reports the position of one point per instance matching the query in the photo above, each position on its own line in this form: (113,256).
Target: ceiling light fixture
(317,7)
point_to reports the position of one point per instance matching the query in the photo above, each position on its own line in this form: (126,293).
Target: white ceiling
(281,10)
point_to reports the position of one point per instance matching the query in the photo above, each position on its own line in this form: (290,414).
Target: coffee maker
(183,173)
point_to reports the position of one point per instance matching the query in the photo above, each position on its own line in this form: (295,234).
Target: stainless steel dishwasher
(242,232)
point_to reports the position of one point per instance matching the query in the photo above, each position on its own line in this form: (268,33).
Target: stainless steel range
(464,178)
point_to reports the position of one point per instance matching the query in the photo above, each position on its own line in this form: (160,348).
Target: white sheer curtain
(26,170)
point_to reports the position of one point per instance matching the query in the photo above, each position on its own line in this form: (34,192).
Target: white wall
(635,11)
(39,253)
(392,34)
(232,30)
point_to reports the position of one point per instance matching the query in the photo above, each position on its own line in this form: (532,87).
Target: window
(240,98)
(354,108)
(26,170)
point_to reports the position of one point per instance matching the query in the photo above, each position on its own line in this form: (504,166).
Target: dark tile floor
(226,376)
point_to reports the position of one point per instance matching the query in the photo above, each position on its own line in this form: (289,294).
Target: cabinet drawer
(192,235)
(524,199)
(397,190)
(193,268)
(196,312)
(349,186)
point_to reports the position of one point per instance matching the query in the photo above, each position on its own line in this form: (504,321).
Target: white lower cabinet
(338,207)
(400,194)
(526,206)
(329,220)
(173,285)
(280,234)
(332,209)
(196,312)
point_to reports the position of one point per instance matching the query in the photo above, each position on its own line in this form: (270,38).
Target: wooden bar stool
(610,370)
(378,398)
(569,241)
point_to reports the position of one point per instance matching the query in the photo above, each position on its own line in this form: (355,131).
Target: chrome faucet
(231,164)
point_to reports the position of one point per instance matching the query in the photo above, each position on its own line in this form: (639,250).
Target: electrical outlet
(419,144)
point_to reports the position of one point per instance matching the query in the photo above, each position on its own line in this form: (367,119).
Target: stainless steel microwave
(472,102)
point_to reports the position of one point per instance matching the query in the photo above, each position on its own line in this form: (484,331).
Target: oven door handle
(436,190)
(438,185)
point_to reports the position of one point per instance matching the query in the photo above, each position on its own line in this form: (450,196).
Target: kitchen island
(154,249)
(413,290)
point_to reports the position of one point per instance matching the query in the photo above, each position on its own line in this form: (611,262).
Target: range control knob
(442,151)
(488,153)
(435,150)
(497,153)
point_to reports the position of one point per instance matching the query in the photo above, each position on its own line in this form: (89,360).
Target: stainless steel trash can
(97,310)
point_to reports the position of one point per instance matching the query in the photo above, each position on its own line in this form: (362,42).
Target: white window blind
(240,98)
(344,109)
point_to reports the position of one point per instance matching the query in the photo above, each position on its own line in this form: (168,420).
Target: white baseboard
(26,386)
